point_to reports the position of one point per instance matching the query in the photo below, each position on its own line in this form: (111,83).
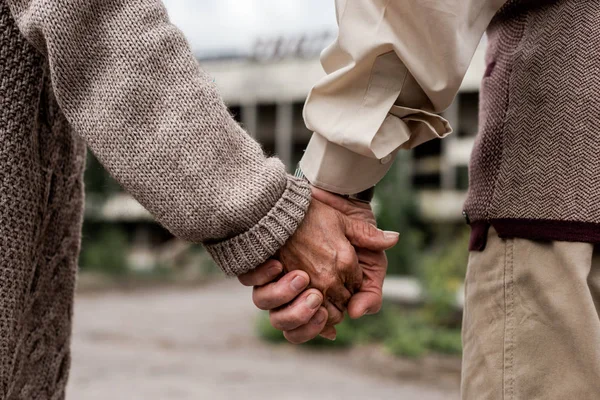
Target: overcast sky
(214,26)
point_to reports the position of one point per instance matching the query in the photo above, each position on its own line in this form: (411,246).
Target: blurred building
(266,91)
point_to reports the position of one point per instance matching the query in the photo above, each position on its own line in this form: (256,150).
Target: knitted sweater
(116,76)
(534,170)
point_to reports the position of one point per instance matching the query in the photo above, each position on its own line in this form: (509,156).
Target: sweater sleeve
(127,82)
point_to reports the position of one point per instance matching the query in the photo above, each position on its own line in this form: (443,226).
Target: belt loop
(479,234)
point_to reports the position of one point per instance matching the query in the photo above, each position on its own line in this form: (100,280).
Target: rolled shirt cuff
(421,125)
(334,168)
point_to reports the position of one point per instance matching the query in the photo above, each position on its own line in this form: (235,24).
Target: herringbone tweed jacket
(115,75)
(535,169)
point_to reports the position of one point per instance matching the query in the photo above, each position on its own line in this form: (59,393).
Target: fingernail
(320,317)
(313,301)
(391,234)
(274,271)
(298,283)
(367,311)
(329,336)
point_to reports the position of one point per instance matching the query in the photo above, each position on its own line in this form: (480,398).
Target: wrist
(364,196)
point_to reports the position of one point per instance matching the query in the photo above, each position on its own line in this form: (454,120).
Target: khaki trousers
(531,328)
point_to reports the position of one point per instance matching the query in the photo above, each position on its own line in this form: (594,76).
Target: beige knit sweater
(117,76)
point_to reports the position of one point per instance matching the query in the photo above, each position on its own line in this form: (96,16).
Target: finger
(350,273)
(276,294)
(366,235)
(308,331)
(369,299)
(334,314)
(297,313)
(329,332)
(353,279)
(339,296)
(364,303)
(263,274)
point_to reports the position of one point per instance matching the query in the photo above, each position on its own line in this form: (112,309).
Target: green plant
(408,343)
(446,341)
(106,251)
(403,333)
(97,180)
(397,210)
(416,337)
(441,276)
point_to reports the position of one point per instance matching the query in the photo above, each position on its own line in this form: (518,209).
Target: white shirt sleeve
(394,65)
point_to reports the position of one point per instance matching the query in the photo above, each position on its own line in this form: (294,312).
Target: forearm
(128,83)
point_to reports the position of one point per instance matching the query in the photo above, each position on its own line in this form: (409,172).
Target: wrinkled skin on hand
(320,248)
(288,304)
(373,263)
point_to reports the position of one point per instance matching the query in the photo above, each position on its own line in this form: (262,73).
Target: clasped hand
(334,262)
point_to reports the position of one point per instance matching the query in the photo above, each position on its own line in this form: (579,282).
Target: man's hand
(277,296)
(373,261)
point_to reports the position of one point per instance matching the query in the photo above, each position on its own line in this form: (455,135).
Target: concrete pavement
(201,344)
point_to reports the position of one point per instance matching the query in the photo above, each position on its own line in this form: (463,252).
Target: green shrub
(446,341)
(97,180)
(442,275)
(105,252)
(397,210)
(414,336)
(403,333)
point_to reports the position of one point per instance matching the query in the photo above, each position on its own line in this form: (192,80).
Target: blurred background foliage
(397,210)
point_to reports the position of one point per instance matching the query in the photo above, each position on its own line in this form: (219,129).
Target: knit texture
(117,76)
(41,165)
(537,155)
(127,82)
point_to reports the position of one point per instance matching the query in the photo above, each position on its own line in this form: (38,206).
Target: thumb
(366,235)
(363,303)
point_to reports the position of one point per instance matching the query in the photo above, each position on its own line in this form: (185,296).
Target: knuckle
(335,318)
(279,324)
(340,304)
(329,281)
(287,323)
(370,230)
(266,299)
(346,257)
(290,318)
(260,303)
(354,286)
(346,296)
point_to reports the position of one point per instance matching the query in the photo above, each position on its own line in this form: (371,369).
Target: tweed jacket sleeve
(127,82)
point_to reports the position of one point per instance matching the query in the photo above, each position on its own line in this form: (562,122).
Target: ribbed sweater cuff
(248,250)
